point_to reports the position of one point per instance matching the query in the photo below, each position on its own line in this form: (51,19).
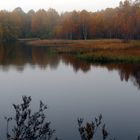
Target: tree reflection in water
(18,55)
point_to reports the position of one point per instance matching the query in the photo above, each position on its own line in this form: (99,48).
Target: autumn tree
(84,24)
(8,30)
(51,23)
(39,22)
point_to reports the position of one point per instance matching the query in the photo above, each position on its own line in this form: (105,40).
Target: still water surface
(71,88)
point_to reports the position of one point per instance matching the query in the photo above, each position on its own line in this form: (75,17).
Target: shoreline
(102,50)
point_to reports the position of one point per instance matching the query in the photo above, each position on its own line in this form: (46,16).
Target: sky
(59,5)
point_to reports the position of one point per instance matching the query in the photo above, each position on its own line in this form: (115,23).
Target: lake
(71,88)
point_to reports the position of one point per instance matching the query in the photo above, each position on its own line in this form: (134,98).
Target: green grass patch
(108,59)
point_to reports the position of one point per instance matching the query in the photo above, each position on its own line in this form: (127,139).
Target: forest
(121,22)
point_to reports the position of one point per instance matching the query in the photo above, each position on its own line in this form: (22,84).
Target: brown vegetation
(95,50)
(88,44)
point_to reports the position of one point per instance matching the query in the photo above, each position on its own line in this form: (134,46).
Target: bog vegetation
(121,22)
(34,126)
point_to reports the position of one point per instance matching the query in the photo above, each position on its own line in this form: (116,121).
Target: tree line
(121,22)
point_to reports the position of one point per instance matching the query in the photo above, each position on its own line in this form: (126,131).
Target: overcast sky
(59,5)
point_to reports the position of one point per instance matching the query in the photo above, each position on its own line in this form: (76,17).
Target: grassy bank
(88,44)
(109,59)
(102,51)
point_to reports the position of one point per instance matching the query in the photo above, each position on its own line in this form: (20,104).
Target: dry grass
(96,44)
(110,50)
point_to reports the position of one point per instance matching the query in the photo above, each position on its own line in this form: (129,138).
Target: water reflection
(127,72)
(19,55)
